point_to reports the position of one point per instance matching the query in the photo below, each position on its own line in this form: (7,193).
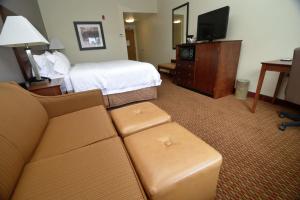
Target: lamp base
(43,81)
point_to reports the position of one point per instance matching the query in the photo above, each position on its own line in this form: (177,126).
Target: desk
(277,66)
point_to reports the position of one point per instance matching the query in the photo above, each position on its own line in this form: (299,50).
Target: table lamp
(55,44)
(17,31)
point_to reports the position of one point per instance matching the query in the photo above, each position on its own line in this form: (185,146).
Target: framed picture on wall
(90,35)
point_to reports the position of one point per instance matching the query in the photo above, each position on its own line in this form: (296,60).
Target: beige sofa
(62,147)
(66,147)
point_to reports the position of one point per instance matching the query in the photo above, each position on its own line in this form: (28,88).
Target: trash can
(241,90)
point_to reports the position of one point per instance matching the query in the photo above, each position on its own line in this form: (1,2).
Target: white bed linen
(67,85)
(114,77)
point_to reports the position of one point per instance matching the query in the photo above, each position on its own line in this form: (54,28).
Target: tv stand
(213,71)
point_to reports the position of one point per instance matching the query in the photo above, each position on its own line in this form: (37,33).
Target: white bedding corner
(114,77)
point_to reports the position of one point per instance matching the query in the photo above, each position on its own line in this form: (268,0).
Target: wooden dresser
(213,69)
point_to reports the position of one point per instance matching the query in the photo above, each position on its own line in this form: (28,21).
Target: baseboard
(277,101)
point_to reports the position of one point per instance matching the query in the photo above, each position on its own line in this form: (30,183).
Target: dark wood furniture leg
(281,76)
(259,85)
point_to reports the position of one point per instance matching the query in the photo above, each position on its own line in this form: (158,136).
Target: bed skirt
(114,100)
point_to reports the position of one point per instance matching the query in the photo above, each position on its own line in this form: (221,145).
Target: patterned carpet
(259,161)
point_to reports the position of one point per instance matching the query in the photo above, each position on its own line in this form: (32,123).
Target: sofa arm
(67,103)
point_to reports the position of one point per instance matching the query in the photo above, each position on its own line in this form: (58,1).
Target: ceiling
(137,16)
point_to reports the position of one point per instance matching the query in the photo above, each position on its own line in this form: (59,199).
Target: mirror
(180,21)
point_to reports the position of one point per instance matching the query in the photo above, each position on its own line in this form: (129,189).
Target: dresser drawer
(183,78)
(188,73)
(188,83)
(184,73)
(185,65)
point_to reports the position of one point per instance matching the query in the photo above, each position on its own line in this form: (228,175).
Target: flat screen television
(213,25)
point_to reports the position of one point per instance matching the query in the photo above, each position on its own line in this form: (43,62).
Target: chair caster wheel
(282,127)
(281,115)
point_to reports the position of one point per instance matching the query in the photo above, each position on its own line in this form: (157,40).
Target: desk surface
(278,62)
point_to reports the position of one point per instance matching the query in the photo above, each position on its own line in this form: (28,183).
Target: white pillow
(62,64)
(44,64)
(50,56)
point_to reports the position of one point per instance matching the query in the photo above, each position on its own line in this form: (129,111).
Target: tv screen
(213,25)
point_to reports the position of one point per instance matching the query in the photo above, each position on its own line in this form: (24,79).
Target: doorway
(136,27)
(131,46)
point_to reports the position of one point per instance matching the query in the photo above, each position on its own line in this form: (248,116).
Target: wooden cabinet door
(206,67)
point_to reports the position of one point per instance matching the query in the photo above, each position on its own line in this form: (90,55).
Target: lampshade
(17,31)
(55,44)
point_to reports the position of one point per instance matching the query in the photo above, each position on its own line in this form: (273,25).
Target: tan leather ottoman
(174,164)
(137,117)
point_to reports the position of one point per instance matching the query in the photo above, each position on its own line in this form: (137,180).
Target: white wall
(137,6)
(148,39)
(270,29)
(58,16)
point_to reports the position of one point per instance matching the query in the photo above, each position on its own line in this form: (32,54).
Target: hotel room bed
(121,81)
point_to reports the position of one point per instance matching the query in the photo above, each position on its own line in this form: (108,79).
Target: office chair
(292,92)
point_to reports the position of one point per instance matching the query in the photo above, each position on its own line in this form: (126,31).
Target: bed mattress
(113,77)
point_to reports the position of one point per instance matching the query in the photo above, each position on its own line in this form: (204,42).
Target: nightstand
(50,89)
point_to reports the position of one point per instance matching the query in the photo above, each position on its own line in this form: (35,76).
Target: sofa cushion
(98,171)
(173,163)
(22,123)
(75,130)
(137,117)
(11,164)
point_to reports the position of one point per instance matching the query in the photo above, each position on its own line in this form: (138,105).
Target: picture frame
(90,35)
